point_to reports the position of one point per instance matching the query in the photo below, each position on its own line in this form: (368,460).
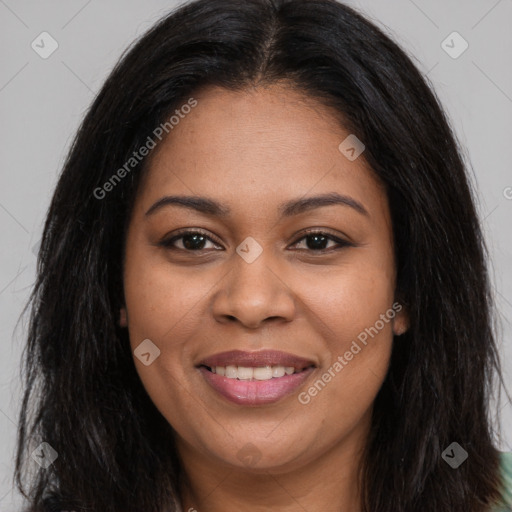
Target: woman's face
(260,168)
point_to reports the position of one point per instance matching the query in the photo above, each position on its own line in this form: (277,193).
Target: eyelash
(168,244)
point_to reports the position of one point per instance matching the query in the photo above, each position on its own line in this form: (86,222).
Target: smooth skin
(250,151)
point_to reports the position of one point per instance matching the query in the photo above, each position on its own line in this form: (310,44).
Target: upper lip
(256,359)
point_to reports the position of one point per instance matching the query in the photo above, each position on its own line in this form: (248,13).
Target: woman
(262,282)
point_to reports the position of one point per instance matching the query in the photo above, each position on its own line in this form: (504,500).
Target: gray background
(43,100)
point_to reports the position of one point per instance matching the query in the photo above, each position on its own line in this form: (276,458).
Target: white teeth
(245,373)
(278,371)
(231,372)
(263,373)
(249,373)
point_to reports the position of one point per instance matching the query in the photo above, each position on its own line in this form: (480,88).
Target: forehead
(256,145)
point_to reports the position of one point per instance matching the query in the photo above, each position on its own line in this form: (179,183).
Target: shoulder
(506,474)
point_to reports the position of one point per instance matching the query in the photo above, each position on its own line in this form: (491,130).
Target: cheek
(356,314)
(160,300)
(167,307)
(350,297)
(160,305)
(353,309)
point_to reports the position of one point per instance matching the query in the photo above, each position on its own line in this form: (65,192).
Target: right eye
(190,241)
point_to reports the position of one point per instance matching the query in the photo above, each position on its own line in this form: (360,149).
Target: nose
(253,294)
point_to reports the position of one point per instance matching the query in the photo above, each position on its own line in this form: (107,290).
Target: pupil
(197,241)
(318,242)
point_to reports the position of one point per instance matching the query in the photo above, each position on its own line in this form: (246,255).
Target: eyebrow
(293,207)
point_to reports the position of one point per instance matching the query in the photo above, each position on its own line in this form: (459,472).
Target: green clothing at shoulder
(506,471)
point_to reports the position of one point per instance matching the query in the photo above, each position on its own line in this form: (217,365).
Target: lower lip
(255,392)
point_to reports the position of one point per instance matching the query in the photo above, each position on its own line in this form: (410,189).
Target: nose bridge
(252,292)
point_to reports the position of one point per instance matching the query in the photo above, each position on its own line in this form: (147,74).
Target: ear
(401,320)
(123,321)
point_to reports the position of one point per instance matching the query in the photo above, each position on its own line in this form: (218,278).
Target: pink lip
(255,359)
(256,392)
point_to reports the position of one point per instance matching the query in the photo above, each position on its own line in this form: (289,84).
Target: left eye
(316,241)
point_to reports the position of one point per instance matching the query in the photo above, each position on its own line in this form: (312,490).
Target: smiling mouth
(255,378)
(259,373)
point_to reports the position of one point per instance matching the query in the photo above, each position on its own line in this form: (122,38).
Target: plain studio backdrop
(463,47)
